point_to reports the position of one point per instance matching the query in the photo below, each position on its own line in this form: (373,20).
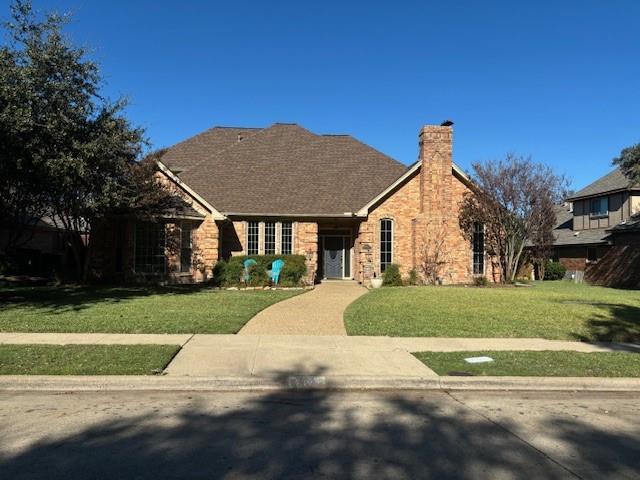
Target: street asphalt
(319,434)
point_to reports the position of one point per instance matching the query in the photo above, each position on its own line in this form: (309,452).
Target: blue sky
(558,80)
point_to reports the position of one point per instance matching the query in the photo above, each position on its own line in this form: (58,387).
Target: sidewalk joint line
(502,427)
(255,355)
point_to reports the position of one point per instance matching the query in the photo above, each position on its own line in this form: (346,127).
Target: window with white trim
(253,237)
(386,243)
(269,238)
(150,254)
(477,244)
(286,238)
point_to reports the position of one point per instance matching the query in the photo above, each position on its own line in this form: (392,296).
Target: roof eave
(605,192)
(292,215)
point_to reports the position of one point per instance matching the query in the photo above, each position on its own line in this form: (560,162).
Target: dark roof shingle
(283,169)
(564,234)
(612,181)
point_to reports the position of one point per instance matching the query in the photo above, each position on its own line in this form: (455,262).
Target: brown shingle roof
(184,155)
(612,181)
(564,234)
(283,169)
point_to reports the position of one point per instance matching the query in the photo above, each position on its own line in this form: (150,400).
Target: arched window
(386,243)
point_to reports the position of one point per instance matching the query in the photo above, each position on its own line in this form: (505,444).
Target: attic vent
(239,137)
(575,234)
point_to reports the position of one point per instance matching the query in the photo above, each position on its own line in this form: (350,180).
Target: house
(598,231)
(348,208)
(39,248)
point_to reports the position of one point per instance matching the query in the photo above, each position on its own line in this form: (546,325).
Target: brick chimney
(435,173)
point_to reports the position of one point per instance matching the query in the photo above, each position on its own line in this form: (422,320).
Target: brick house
(598,232)
(350,209)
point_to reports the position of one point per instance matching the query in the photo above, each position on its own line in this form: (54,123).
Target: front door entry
(333,255)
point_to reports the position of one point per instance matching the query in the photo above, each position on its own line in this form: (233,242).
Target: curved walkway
(318,312)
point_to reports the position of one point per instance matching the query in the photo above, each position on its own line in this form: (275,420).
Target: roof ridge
(238,128)
(243,142)
(226,149)
(208,130)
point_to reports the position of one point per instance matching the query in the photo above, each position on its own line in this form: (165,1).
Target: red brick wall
(425,207)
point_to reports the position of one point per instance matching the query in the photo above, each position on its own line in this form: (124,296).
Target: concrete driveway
(318,312)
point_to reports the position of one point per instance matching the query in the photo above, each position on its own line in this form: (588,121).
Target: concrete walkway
(318,312)
(269,356)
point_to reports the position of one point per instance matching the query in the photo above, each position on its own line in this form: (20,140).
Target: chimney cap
(446,123)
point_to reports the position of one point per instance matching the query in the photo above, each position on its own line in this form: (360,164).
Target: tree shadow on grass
(75,298)
(310,435)
(621,323)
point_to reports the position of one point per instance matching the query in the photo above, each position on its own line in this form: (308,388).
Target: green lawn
(85,359)
(536,364)
(553,310)
(186,309)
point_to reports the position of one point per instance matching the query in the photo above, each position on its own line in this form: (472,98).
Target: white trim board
(173,177)
(364,211)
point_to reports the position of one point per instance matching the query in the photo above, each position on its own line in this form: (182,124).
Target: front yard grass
(181,309)
(535,364)
(552,310)
(85,359)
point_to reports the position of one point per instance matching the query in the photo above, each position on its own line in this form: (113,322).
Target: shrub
(294,269)
(227,274)
(480,281)
(554,270)
(258,275)
(414,278)
(392,277)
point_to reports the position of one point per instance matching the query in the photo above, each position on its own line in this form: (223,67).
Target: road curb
(16,383)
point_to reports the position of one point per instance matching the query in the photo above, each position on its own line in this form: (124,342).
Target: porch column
(306,242)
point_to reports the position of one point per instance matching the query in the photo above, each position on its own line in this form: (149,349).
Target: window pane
(185,248)
(269,238)
(150,248)
(253,233)
(386,243)
(600,206)
(287,238)
(478,248)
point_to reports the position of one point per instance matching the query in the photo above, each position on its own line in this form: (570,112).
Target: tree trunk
(87,258)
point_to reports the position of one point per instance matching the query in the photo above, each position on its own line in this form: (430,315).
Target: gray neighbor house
(598,232)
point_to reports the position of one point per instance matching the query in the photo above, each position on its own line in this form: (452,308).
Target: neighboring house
(39,251)
(348,208)
(598,228)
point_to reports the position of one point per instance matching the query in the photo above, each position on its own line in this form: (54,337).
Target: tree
(434,255)
(71,152)
(629,162)
(515,199)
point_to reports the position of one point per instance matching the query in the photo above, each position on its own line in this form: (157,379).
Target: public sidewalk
(269,362)
(268,355)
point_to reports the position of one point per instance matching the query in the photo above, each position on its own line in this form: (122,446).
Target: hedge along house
(349,209)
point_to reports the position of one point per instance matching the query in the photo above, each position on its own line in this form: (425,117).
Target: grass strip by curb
(85,359)
(535,364)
